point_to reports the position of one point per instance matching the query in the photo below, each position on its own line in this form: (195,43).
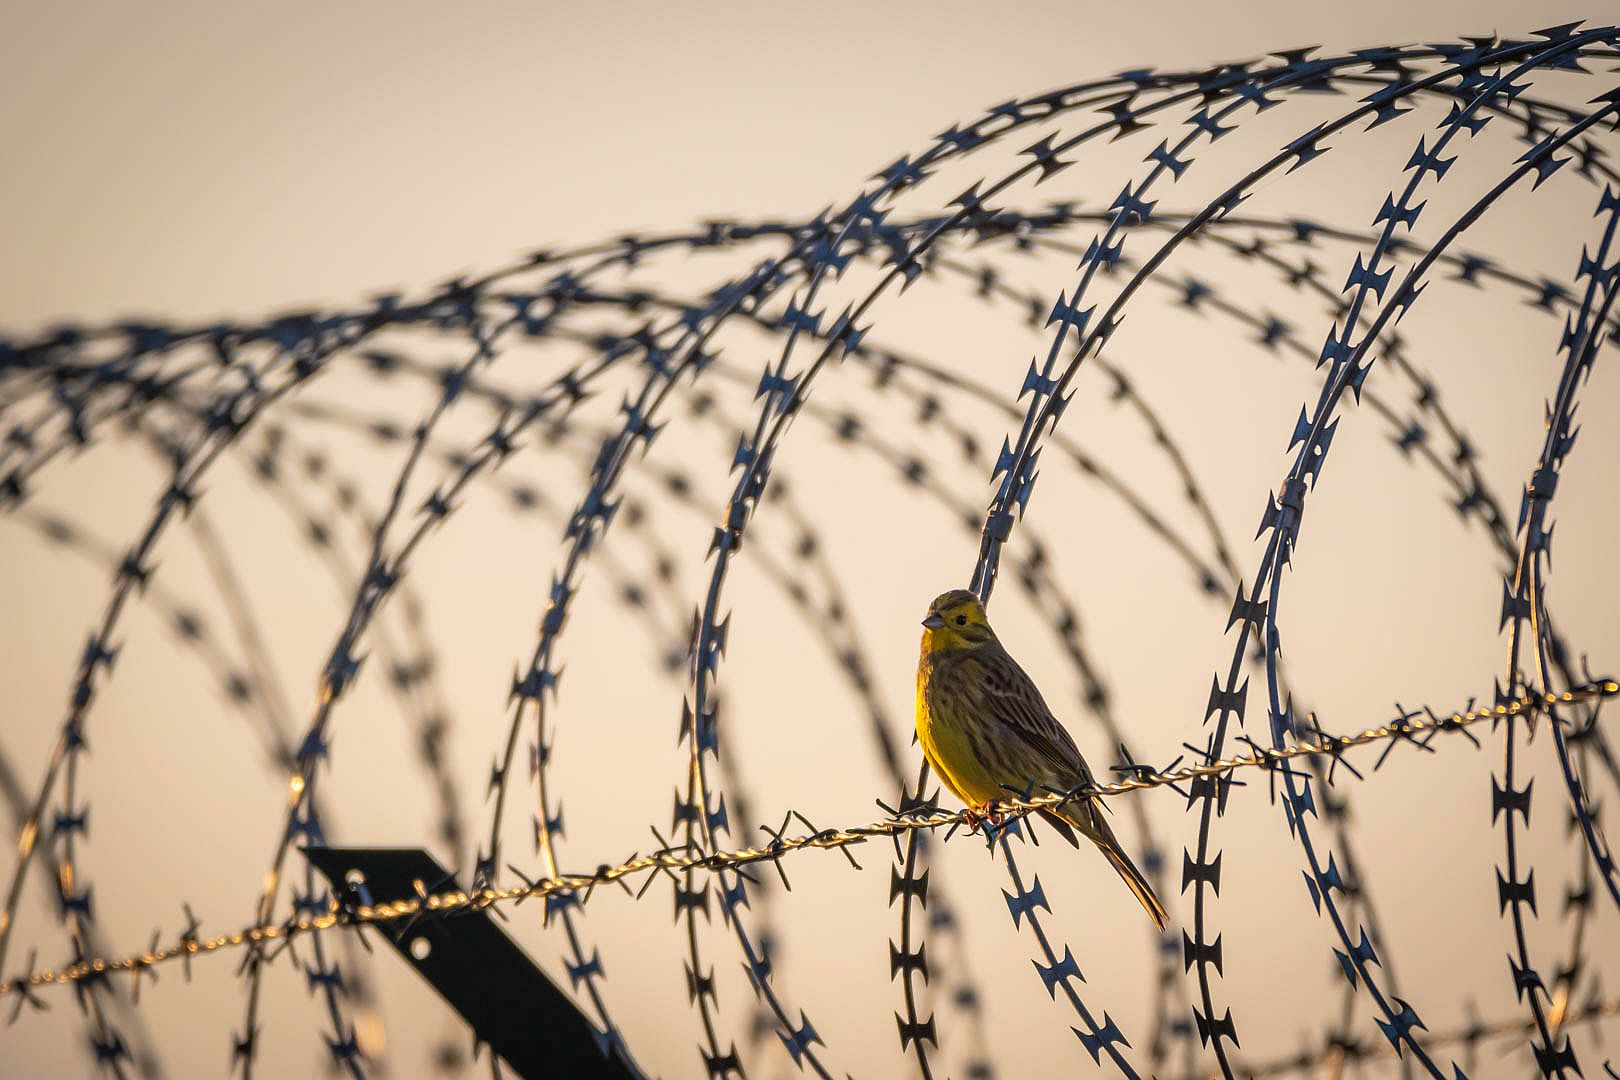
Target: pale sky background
(194,163)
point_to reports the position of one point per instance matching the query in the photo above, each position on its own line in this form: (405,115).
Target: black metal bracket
(480,971)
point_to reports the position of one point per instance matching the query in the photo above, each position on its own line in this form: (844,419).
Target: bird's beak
(933,622)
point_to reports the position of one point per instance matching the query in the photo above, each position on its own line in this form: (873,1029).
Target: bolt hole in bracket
(477,969)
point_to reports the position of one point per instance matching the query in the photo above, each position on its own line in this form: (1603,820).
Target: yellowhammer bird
(986,730)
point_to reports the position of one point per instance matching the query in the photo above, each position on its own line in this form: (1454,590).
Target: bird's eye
(961,620)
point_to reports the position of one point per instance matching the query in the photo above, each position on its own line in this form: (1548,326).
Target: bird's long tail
(1137,883)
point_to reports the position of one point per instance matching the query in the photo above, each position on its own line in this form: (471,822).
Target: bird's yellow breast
(944,723)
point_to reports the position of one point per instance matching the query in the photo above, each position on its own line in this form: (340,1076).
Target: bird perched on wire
(989,735)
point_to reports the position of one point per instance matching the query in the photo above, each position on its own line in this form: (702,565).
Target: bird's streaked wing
(1012,697)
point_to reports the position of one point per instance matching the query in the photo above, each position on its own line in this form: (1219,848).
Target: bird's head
(956,620)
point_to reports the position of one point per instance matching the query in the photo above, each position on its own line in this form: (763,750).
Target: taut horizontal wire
(1406,727)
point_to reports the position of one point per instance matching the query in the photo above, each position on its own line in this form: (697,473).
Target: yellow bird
(989,735)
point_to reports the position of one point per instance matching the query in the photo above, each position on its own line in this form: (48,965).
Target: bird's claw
(977,816)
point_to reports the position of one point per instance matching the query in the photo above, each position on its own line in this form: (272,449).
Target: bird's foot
(978,816)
